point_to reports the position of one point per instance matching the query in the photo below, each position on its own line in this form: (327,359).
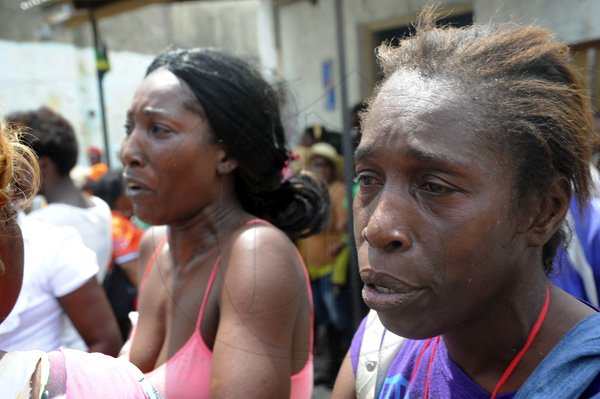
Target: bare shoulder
(262,259)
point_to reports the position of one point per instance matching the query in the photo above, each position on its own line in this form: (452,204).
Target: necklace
(509,369)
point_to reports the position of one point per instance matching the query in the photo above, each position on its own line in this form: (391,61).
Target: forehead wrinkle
(424,155)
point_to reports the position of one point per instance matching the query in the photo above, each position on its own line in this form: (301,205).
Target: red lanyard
(532,334)
(509,369)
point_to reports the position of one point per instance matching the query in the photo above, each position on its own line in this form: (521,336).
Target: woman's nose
(131,153)
(388,225)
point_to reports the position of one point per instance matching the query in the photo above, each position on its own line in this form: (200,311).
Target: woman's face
(11,266)
(169,154)
(437,239)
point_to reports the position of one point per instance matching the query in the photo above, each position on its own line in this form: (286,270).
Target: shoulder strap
(378,349)
(155,254)
(570,367)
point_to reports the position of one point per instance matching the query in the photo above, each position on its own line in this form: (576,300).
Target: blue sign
(328,85)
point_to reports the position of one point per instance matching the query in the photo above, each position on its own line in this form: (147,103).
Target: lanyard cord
(435,344)
(532,334)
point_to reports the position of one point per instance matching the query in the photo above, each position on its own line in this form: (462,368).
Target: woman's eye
(159,130)
(128,128)
(365,180)
(435,189)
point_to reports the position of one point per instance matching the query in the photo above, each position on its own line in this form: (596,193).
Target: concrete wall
(62,77)
(309,39)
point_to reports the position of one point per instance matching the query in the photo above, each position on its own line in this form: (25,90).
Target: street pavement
(321,392)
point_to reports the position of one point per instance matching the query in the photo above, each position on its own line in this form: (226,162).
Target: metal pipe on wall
(348,149)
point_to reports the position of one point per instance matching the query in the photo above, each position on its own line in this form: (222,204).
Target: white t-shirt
(93,224)
(56,264)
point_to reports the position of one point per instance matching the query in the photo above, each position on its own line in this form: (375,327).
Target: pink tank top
(187,373)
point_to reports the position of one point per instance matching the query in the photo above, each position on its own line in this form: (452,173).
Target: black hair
(49,134)
(243,113)
(109,187)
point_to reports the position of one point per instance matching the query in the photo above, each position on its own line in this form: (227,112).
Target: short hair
(527,93)
(49,135)
(243,113)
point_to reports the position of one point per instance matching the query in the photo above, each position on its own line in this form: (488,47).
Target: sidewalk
(321,392)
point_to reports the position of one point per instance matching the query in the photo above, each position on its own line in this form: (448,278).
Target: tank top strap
(155,254)
(213,275)
(258,221)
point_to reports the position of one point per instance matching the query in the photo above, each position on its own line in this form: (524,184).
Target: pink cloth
(187,373)
(94,375)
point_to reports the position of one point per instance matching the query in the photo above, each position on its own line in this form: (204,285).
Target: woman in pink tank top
(225,309)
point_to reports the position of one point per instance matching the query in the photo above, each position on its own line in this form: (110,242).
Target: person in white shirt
(58,283)
(52,138)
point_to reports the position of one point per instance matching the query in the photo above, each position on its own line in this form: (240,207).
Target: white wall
(308,40)
(63,77)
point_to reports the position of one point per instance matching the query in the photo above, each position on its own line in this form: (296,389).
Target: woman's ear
(550,213)
(226,164)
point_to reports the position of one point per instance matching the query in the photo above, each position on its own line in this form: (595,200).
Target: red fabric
(126,238)
(97,170)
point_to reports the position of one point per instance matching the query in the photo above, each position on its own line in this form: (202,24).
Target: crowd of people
(215,261)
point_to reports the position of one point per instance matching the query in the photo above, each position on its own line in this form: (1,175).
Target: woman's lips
(382,291)
(135,187)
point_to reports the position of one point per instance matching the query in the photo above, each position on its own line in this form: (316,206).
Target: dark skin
(441,249)
(256,322)
(89,310)
(11,266)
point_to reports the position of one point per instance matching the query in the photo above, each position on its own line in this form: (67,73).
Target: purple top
(446,380)
(587,231)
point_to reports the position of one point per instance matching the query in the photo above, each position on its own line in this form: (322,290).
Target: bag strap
(568,370)
(378,349)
